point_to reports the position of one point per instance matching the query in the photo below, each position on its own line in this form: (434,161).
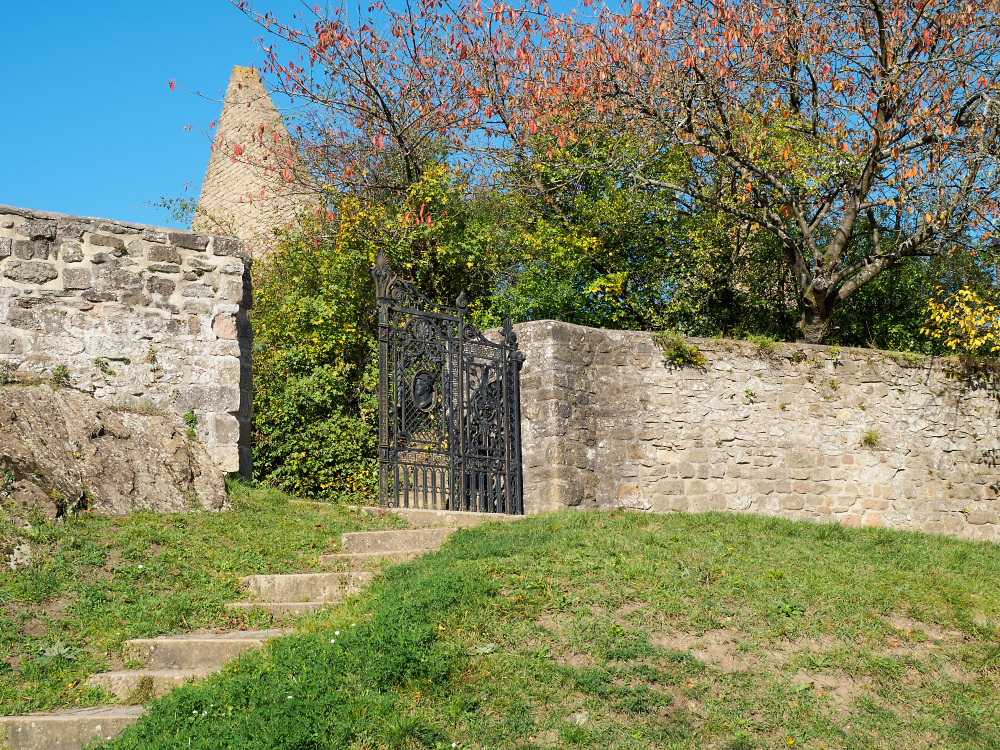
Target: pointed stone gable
(247,192)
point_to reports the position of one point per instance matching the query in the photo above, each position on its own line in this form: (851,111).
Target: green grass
(95,582)
(615,630)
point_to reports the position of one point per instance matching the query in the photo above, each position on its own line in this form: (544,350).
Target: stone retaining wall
(606,422)
(143,317)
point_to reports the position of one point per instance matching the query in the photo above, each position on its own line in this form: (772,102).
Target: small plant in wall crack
(871,439)
(750,394)
(60,375)
(191,420)
(676,352)
(102,364)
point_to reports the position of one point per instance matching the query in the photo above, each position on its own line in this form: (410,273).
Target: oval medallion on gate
(423,390)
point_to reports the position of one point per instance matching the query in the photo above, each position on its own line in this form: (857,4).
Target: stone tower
(251,184)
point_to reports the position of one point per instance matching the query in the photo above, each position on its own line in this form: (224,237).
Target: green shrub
(676,352)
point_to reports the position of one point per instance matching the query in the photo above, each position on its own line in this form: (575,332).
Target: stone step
(305,587)
(391,541)
(128,682)
(195,651)
(429,517)
(358,560)
(277,609)
(66,730)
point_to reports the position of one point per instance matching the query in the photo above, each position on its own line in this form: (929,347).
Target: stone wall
(606,422)
(142,317)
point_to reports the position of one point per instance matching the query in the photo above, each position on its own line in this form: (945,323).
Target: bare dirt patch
(932,631)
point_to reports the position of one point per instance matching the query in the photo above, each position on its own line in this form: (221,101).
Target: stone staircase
(168,662)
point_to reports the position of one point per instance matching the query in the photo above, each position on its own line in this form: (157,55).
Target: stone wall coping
(728,345)
(31,213)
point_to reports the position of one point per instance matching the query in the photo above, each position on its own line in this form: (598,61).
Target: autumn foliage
(808,120)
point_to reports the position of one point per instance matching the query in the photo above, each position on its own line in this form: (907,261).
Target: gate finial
(382,275)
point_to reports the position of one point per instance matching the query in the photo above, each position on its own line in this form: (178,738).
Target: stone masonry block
(226,457)
(104,240)
(5,247)
(223,428)
(29,271)
(160,285)
(71,252)
(38,229)
(208,398)
(189,240)
(197,290)
(77,278)
(164,255)
(229,246)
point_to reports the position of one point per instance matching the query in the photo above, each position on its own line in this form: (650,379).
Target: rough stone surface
(66,450)
(123,323)
(245,193)
(29,271)
(606,422)
(66,730)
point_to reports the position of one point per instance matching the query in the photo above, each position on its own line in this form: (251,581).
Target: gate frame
(401,296)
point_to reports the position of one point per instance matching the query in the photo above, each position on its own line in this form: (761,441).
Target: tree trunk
(814,326)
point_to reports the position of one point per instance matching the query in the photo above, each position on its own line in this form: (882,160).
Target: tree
(816,121)
(811,120)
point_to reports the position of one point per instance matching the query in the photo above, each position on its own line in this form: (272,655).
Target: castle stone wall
(606,422)
(141,317)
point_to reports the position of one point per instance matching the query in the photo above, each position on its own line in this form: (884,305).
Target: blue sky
(89,125)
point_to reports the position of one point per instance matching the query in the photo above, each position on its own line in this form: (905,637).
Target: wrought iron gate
(449,405)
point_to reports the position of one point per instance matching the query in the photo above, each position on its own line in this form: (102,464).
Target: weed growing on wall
(676,352)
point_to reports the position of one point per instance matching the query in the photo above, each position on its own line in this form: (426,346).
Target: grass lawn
(95,582)
(615,630)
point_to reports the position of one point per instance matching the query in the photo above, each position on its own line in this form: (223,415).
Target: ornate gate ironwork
(449,405)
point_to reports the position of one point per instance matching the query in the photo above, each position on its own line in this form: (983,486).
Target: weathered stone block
(224,326)
(229,246)
(231,290)
(104,240)
(70,252)
(38,229)
(231,267)
(5,247)
(11,344)
(29,249)
(197,290)
(105,347)
(77,278)
(223,428)
(164,255)
(199,265)
(154,235)
(160,285)
(29,271)
(226,457)
(208,398)
(189,240)
(164,268)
